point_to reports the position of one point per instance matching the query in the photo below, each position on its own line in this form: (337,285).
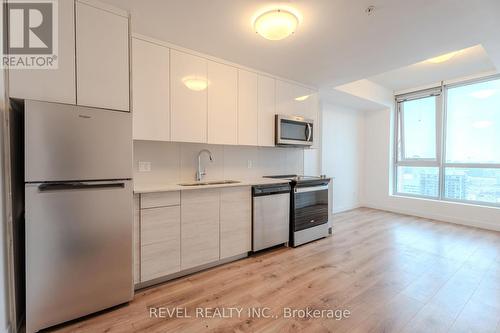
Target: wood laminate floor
(394,273)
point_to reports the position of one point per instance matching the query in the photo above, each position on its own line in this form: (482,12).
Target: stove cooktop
(297,178)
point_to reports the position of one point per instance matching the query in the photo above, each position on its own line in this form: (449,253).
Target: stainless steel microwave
(294,131)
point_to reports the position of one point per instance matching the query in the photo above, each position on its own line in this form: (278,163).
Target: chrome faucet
(200,173)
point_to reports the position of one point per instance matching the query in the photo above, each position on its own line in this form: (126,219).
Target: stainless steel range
(309,208)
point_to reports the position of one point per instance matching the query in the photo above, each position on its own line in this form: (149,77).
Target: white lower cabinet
(235,221)
(137,242)
(200,227)
(188,229)
(160,242)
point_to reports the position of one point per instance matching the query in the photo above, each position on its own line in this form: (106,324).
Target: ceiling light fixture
(276,24)
(443,58)
(302,98)
(195,83)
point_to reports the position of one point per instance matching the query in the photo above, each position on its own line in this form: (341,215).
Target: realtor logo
(30,34)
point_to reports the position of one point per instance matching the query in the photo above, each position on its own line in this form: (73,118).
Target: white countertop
(167,187)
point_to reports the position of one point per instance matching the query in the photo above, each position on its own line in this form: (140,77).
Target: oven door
(310,207)
(293,130)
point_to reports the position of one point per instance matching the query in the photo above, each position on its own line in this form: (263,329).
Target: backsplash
(173,162)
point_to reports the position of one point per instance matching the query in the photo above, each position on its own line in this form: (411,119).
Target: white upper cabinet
(314,114)
(188,86)
(222,104)
(248,105)
(151,91)
(102,57)
(266,110)
(51,85)
(291,99)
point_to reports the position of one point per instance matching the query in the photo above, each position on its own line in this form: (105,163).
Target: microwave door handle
(309,132)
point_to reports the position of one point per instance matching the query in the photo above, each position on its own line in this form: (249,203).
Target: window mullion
(401,130)
(442,139)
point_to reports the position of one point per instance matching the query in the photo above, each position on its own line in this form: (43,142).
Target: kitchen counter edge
(151,188)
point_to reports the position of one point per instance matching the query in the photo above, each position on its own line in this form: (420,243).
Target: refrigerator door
(66,143)
(78,250)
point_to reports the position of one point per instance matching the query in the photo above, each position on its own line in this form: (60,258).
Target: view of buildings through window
(470,155)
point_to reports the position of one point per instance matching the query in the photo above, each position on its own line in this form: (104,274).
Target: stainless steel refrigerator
(78,211)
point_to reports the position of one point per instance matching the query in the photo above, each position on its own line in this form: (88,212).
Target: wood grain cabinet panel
(160,199)
(235,221)
(200,227)
(137,240)
(160,242)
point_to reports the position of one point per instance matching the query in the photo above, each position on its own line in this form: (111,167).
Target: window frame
(441,93)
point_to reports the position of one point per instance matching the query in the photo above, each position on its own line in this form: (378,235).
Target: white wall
(377,178)
(343,154)
(175,162)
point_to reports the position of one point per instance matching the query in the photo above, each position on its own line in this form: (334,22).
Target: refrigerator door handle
(77,186)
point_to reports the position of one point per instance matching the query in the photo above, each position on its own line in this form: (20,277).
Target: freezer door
(78,250)
(66,142)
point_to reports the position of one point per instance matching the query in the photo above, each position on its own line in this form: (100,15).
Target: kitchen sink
(214,182)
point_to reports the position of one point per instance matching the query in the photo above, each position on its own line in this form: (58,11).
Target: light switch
(144,166)
(249,164)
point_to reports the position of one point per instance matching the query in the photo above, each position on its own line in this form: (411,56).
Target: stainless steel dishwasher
(271,215)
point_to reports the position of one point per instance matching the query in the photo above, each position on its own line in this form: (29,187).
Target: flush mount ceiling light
(276,24)
(195,83)
(443,58)
(302,98)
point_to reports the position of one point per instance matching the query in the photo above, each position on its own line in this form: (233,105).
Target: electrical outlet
(144,166)
(249,164)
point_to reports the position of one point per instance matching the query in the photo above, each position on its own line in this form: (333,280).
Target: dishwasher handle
(263,190)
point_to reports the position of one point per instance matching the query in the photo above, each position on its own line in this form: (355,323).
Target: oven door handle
(311,189)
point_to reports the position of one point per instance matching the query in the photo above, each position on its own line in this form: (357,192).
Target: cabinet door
(55,85)
(248,98)
(235,221)
(137,242)
(314,114)
(160,242)
(102,58)
(291,99)
(150,86)
(200,227)
(266,110)
(222,104)
(188,85)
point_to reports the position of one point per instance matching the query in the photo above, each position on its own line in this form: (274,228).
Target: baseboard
(341,209)
(438,217)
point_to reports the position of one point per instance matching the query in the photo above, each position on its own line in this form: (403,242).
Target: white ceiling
(468,62)
(337,97)
(337,42)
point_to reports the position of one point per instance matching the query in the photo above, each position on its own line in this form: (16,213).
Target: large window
(448,143)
